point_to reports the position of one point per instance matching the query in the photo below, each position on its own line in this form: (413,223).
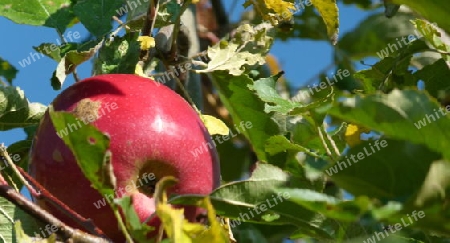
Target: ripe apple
(152,132)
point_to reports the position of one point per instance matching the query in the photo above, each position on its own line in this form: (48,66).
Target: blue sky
(300,59)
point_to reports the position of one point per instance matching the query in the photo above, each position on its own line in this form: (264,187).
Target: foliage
(361,152)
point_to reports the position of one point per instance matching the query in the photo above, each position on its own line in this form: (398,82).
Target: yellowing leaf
(139,71)
(226,226)
(216,232)
(173,222)
(180,230)
(214,125)
(147,42)
(273,10)
(353,134)
(330,14)
(177,228)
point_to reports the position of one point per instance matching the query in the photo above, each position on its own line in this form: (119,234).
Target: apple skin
(152,130)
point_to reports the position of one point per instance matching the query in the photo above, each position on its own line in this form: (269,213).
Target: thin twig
(64,231)
(155,16)
(43,194)
(121,24)
(333,145)
(75,75)
(188,60)
(180,84)
(176,28)
(324,143)
(149,24)
(151,14)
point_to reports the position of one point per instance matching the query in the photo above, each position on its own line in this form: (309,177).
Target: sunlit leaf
(330,15)
(247,48)
(32,12)
(273,10)
(214,125)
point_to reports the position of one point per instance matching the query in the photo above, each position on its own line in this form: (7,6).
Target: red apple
(153,133)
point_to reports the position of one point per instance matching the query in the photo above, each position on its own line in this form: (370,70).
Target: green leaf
(374,77)
(331,207)
(168,12)
(250,234)
(234,160)
(279,143)
(245,106)
(393,70)
(431,198)
(90,148)
(330,15)
(49,49)
(118,56)
(257,200)
(433,36)
(16,111)
(266,90)
(9,215)
(306,133)
(96,16)
(435,77)
(7,70)
(247,48)
(308,25)
(409,115)
(62,18)
(33,12)
(373,34)
(22,237)
(137,229)
(433,10)
(72,56)
(359,171)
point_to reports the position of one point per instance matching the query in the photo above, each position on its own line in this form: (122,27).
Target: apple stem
(64,231)
(87,224)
